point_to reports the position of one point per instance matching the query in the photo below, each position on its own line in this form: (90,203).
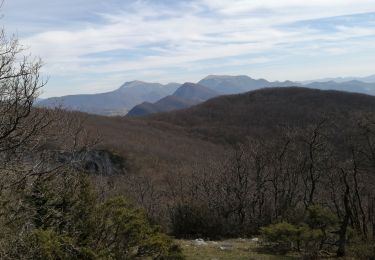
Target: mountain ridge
(365,79)
(187,95)
(261,112)
(116,102)
(145,94)
(238,84)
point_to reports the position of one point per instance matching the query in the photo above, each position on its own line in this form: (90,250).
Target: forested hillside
(258,113)
(236,164)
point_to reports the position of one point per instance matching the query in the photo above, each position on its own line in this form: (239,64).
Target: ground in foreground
(236,249)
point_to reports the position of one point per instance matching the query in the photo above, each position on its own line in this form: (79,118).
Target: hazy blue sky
(93,46)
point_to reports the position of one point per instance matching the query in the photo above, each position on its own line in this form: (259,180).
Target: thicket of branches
(280,179)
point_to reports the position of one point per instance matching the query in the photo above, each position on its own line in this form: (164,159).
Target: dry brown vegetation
(236,163)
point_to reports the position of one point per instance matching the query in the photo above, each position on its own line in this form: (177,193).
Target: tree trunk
(341,251)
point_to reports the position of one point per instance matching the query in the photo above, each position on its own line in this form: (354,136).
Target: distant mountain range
(189,94)
(240,84)
(368,79)
(348,86)
(117,102)
(139,98)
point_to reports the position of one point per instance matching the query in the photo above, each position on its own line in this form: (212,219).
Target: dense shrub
(65,220)
(47,244)
(128,233)
(281,237)
(284,237)
(309,237)
(318,217)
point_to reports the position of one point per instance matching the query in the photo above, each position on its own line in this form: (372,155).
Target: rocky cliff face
(103,163)
(99,162)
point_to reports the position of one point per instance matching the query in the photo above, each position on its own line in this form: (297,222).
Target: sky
(91,46)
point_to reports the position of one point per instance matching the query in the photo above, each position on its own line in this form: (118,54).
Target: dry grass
(235,249)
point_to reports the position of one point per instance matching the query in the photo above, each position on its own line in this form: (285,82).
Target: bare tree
(20,85)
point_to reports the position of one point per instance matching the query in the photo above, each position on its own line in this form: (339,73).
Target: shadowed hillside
(259,112)
(187,95)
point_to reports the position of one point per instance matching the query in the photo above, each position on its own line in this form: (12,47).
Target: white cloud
(179,37)
(307,9)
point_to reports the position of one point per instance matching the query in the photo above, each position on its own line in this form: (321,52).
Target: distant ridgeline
(139,98)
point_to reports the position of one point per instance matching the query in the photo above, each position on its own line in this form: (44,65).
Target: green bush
(63,219)
(320,218)
(47,245)
(281,237)
(309,237)
(128,233)
(284,237)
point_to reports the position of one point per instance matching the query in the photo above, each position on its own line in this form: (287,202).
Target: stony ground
(236,249)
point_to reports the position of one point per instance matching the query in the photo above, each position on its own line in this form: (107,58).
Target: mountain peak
(233,84)
(225,77)
(133,83)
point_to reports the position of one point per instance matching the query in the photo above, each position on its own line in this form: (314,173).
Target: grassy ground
(236,249)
